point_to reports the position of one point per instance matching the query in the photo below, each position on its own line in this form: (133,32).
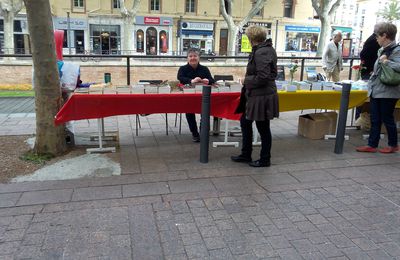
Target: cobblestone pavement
(310,204)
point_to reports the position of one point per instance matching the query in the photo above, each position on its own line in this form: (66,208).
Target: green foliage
(391,12)
(31,156)
(292,69)
(16,93)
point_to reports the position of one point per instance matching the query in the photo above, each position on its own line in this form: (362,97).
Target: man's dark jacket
(368,55)
(186,73)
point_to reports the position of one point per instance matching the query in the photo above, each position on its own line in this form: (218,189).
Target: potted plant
(292,70)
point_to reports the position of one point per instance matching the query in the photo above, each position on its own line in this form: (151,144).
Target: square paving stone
(97,193)
(209,231)
(145,189)
(191,186)
(279,242)
(214,242)
(196,251)
(9,199)
(45,197)
(240,185)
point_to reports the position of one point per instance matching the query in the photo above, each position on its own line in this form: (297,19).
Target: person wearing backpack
(383,97)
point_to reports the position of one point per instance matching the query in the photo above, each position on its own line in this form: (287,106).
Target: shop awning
(343,29)
(197,32)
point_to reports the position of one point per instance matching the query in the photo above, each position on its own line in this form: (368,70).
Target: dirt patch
(13,147)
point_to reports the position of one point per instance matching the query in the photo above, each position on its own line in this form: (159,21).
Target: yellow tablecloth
(299,100)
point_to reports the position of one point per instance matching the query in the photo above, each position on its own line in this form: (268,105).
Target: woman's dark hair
(193,50)
(386,28)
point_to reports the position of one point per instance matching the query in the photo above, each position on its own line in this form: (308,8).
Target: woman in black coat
(259,99)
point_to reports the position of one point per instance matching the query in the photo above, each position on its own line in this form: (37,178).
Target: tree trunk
(8,32)
(128,29)
(49,138)
(232,39)
(325,33)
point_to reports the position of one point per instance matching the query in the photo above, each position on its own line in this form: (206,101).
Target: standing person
(383,98)
(332,61)
(368,55)
(259,98)
(191,73)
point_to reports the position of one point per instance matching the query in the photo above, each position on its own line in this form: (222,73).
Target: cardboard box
(316,126)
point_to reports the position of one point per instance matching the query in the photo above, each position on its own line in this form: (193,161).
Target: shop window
(288,8)
(139,41)
(190,6)
(105,39)
(296,41)
(17,26)
(163,42)
(151,41)
(21,41)
(155,5)
(116,4)
(79,3)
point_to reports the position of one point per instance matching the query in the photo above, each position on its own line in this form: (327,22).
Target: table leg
(255,136)
(100,149)
(225,142)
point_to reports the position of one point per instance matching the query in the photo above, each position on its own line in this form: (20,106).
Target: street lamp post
(68,34)
(276,33)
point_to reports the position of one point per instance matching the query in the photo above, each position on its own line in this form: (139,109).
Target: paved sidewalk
(310,204)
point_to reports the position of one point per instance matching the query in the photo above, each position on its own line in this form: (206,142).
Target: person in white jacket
(332,61)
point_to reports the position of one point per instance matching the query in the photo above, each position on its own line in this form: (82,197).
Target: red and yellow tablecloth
(223,105)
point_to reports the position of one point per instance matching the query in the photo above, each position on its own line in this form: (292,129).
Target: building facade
(168,27)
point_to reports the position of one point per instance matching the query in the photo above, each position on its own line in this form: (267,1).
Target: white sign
(198,26)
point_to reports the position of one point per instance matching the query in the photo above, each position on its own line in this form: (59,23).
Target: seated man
(193,73)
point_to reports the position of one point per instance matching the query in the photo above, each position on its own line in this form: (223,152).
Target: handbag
(388,76)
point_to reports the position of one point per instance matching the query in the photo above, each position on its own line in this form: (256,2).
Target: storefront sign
(295,28)
(197,26)
(266,25)
(151,20)
(74,24)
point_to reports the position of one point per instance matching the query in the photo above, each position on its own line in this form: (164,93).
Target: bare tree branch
(253,11)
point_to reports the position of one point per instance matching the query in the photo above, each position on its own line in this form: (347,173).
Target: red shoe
(366,149)
(389,149)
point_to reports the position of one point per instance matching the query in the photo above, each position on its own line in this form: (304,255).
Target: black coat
(260,76)
(369,54)
(186,73)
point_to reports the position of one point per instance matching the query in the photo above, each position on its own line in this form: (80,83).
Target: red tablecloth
(223,105)
(89,106)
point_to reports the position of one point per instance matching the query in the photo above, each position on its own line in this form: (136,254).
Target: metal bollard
(341,127)
(205,124)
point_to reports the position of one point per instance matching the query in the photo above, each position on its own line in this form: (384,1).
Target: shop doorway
(139,41)
(151,41)
(223,42)
(163,42)
(79,41)
(105,39)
